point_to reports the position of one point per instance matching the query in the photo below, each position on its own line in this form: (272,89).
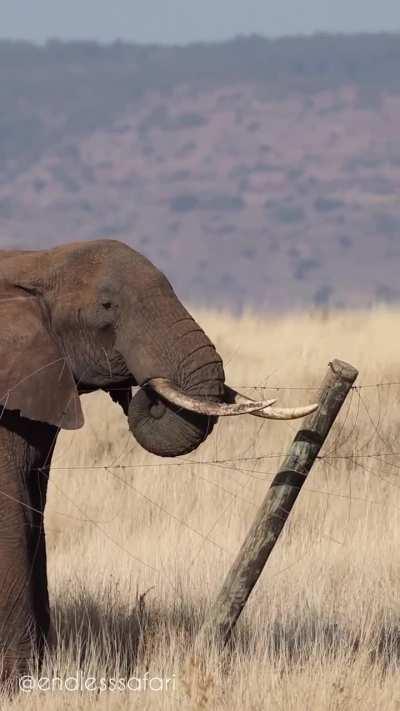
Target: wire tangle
(364,442)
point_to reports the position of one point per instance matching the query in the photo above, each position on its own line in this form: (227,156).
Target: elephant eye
(107,305)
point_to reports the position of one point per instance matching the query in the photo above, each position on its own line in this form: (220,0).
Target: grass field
(139,546)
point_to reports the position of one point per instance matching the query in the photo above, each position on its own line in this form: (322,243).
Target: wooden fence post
(277,504)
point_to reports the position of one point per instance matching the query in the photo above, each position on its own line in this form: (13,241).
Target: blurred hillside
(254,172)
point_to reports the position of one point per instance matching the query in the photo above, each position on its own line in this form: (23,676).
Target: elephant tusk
(271,413)
(170,392)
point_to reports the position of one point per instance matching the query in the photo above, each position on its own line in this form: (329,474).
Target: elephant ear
(34,375)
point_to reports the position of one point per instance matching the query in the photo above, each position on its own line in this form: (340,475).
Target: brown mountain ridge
(255,173)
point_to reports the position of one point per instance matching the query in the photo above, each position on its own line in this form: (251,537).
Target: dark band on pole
(289,477)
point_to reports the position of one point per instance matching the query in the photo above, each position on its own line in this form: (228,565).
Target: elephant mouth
(165,429)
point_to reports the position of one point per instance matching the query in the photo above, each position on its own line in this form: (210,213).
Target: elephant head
(98,315)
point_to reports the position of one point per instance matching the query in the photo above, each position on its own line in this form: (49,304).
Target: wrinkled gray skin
(78,318)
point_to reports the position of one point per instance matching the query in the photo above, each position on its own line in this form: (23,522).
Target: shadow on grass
(113,635)
(297,640)
(108,633)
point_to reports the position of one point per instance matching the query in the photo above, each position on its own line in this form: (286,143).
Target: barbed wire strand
(343,434)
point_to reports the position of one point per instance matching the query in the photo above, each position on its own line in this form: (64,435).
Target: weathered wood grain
(277,505)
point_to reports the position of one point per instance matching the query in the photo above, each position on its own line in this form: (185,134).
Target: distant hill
(261,173)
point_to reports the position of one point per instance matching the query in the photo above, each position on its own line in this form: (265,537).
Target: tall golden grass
(138,546)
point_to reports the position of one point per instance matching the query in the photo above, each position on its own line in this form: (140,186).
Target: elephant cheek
(164,430)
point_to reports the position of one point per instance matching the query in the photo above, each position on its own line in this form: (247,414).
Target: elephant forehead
(96,268)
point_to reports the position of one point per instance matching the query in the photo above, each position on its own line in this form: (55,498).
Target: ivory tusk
(271,413)
(174,395)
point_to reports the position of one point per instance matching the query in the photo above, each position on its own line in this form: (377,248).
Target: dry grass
(322,628)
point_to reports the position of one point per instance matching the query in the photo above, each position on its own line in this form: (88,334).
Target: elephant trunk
(185,356)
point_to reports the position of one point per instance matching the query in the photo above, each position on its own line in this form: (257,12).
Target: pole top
(344,370)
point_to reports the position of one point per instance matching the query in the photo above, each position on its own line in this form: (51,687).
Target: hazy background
(182,21)
(256,171)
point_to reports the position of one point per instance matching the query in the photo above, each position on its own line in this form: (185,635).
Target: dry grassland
(139,546)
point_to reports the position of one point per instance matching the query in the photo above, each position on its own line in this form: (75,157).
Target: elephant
(77,318)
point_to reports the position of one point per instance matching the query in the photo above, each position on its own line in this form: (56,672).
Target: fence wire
(346,434)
